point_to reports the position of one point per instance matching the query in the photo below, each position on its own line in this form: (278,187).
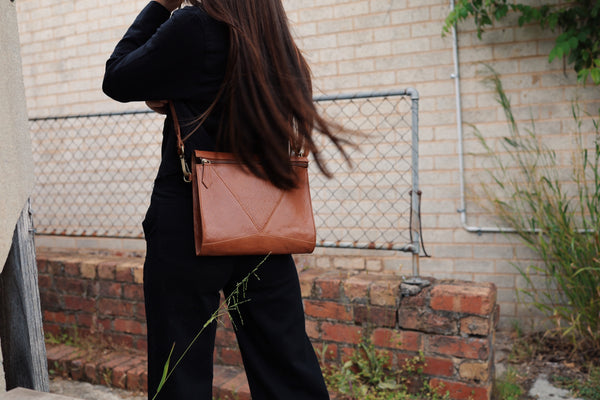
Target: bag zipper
(203,161)
(206,162)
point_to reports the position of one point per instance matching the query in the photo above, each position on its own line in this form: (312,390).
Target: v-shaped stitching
(256,225)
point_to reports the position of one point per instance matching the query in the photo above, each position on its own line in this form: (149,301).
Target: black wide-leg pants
(182,292)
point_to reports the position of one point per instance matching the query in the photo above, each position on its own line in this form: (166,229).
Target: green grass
(507,387)
(68,337)
(587,388)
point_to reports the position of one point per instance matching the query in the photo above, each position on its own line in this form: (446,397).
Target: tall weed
(555,211)
(231,304)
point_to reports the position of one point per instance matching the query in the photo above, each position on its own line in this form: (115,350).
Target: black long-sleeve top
(180,57)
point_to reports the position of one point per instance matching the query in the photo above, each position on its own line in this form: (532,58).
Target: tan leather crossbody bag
(237,213)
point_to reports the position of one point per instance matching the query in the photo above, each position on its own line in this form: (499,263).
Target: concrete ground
(87,391)
(542,389)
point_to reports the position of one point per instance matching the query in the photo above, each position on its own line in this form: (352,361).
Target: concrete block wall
(358,45)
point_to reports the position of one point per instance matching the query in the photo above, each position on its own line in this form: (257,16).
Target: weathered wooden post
(21,334)
(21,331)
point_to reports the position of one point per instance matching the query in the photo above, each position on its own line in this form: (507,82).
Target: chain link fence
(94,173)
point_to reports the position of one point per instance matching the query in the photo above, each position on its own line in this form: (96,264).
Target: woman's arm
(160,56)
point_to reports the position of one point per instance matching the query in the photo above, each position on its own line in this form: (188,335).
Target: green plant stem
(231,303)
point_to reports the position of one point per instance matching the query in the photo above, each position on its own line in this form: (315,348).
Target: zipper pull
(205,177)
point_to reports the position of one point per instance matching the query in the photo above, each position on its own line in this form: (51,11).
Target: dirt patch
(529,356)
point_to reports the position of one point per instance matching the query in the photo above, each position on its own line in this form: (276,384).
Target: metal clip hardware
(187,174)
(185,168)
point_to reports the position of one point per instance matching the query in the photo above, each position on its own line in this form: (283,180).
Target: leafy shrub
(368,376)
(579,40)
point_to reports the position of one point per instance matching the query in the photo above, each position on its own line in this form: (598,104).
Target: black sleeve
(159,58)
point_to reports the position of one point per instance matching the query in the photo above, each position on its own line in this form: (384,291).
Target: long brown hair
(267,94)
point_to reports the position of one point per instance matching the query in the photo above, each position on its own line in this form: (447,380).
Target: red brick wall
(451,323)
(99,296)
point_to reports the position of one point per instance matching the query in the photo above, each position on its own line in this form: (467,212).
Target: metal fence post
(415,227)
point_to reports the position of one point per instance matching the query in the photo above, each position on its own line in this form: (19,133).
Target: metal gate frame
(414,246)
(415,221)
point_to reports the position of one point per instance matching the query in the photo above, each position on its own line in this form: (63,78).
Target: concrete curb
(26,394)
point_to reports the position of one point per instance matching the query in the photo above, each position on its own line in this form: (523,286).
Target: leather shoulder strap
(180,147)
(187,174)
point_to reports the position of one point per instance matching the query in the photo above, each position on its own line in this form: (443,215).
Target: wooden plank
(21,330)
(26,394)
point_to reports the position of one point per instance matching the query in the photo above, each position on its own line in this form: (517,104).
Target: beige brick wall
(65,44)
(359,45)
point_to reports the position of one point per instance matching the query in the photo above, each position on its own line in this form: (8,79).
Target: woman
(239,84)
